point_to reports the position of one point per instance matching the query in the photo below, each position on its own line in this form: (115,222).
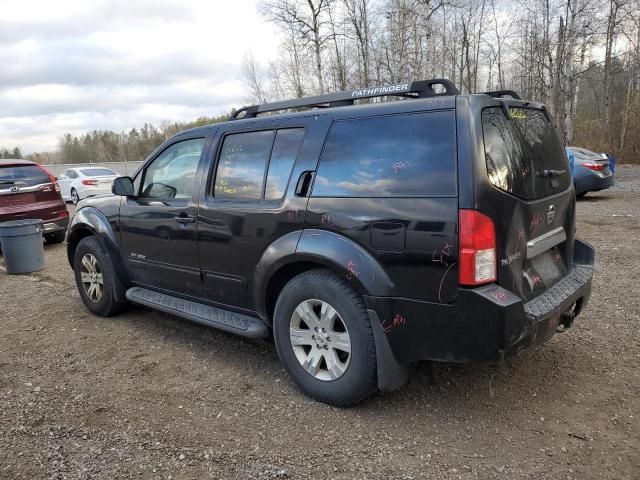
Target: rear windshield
(22,176)
(524,154)
(97,172)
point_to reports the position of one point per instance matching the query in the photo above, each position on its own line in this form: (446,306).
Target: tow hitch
(566,320)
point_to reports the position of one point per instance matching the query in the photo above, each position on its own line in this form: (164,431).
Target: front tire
(96,279)
(324,338)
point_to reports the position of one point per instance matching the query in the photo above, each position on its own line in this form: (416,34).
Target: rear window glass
(97,172)
(23,176)
(524,155)
(406,155)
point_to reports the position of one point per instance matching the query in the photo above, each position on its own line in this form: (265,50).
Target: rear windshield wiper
(7,182)
(551,173)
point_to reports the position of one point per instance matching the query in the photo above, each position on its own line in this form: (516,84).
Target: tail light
(90,182)
(52,178)
(477,248)
(596,167)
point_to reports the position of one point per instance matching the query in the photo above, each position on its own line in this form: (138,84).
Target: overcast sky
(79,65)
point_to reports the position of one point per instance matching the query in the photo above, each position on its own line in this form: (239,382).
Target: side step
(198,312)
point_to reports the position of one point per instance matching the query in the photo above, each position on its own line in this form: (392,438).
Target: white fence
(123,168)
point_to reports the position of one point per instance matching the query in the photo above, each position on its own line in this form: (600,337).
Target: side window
(242,163)
(406,155)
(246,157)
(172,174)
(285,150)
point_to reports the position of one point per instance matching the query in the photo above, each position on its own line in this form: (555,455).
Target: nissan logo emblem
(14,190)
(551,214)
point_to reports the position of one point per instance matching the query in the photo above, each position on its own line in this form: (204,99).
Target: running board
(198,312)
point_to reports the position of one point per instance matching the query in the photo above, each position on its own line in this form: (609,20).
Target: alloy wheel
(91,277)
(320,340)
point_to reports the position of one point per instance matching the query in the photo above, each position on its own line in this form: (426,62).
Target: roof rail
(502,93)
(417,89)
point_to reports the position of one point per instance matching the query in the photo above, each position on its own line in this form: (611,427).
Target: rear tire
(318,359)
(57,237)
(97,280)
(75,198)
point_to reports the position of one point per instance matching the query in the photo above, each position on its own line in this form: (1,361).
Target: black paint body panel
(401,254)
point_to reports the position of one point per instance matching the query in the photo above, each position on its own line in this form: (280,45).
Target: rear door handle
(184,219)
(304,183)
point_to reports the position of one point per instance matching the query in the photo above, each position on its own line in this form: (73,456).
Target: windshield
(97,172)
(23,175)
(524,154)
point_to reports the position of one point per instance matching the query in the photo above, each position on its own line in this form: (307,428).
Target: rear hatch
(28,191)
(529,197)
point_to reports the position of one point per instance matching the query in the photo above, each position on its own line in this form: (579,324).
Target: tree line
(107,146)
(15,153)
(580,57)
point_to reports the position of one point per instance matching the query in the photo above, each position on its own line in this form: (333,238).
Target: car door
(158,225)
(246,205)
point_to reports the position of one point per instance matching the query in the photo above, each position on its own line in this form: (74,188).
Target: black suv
(365,237)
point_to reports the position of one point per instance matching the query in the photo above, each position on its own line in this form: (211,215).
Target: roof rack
(417,89)
(502,93)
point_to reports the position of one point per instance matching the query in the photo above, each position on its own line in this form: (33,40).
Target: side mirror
(123,186)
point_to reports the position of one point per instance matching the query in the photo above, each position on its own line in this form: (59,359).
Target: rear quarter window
(524,155)
(407,155)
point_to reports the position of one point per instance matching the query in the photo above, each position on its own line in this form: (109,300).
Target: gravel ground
(148,395)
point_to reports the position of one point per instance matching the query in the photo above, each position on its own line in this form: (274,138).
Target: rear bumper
(53,214)
(56,225)
(592,182)
(486,324)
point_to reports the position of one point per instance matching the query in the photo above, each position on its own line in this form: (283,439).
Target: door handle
(184,219)
(304,183)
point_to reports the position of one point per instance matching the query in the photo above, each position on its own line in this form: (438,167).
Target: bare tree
(254,79)
(309,19)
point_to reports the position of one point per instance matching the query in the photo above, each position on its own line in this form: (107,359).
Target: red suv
(27,190)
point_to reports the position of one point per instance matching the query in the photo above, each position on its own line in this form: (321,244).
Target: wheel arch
(90,221)
(310,249)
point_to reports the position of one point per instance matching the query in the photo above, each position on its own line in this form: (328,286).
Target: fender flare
(90,219)
(326,248)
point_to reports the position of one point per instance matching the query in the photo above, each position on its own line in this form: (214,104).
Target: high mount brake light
(477,248)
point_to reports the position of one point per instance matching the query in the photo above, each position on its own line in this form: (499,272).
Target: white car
(83,182)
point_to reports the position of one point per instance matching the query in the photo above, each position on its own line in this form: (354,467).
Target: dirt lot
(147,395)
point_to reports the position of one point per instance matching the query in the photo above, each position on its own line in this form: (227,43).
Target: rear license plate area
(17,199)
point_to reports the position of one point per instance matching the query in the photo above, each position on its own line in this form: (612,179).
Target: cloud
(79,66)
